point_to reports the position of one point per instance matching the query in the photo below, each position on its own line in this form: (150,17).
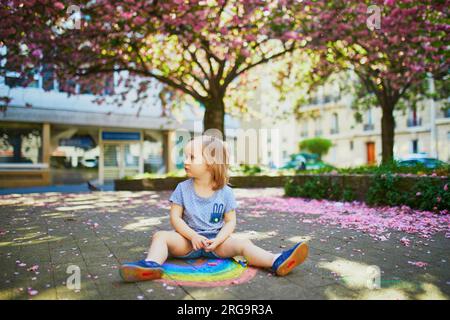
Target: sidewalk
(42,234)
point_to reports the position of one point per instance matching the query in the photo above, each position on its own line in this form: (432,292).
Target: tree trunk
(215,115)
(387,133)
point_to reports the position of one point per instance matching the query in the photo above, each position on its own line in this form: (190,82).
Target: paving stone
(117,227)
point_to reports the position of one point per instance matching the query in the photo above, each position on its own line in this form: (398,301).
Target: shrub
(384,189)
(319,188)
(318,146)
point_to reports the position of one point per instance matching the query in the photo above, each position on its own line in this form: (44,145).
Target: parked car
(430,163)
(305,161)
(420,159)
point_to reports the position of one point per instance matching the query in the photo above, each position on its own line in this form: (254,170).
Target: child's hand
(198,242)
(212,245)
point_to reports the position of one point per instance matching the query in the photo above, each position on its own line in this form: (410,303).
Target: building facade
(425,129)
(329,115)
(48,137)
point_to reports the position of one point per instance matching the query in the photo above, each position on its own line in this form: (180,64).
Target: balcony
(414,122)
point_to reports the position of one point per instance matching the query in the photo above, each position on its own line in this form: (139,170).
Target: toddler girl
(203,216)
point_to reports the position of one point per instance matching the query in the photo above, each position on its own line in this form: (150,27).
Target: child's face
(194,163)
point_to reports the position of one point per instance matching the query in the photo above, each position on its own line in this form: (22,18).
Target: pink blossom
(33,268)
(139,20)
(375,221)
(245,53)
(59,5)
(127,15)
(37,53)
(405,241)
(419,264)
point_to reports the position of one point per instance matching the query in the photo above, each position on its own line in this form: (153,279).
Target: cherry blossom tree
(198,48)
(392,46)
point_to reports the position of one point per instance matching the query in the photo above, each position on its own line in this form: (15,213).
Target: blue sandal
(140,271)
(289,259)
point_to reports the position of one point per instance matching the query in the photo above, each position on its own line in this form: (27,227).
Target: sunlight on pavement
(143,224)
(255,235)
(297,239)
(359,277)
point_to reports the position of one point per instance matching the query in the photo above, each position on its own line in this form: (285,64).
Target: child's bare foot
(141,270)
(289,259)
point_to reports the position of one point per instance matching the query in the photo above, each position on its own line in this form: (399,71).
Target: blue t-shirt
(203,215)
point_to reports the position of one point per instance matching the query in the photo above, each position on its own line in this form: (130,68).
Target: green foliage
(391,167)
(319,188)
(151,175)
(247,170)
(384,189)
(317,145)
(426,196)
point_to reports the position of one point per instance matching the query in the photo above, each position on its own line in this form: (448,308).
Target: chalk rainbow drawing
(206,272)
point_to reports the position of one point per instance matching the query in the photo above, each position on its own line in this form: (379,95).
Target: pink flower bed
(357,216)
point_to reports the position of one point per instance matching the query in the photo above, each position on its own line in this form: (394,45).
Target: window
(111,155)
(14,80)
(109,85)
(414,146)
(48,78)
(413,119)
(21,145)
(318,127)
(132,155)
(74,151)
(86,88)
(304,129)
(351,144)
(368,126)
(153,153)
(68,86)
(334,124)
(89,87)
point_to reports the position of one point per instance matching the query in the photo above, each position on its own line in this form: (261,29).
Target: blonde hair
(216,155)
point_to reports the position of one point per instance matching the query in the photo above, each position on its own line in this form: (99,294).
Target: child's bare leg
(255,255)
(165,242)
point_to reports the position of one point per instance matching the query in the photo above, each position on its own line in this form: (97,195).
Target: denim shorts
(195,254)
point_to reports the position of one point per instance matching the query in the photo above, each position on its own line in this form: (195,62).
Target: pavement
(48,238)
